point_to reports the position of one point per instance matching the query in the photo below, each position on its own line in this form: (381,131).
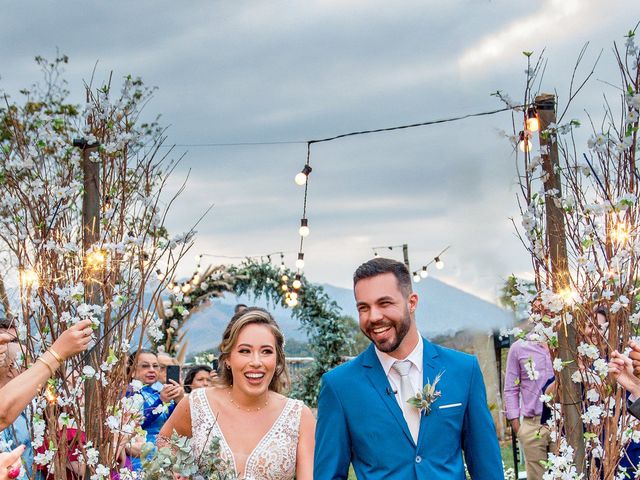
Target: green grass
(505,450)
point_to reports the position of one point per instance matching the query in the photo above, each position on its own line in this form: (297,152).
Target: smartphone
(173,373)
(214,364)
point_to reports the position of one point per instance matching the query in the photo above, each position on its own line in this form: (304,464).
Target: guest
(159,399)
(529,368)
(197,377)
(18,432)
(164,360)
(18,392)
(10,463)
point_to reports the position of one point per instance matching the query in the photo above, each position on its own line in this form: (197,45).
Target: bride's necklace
(243,408)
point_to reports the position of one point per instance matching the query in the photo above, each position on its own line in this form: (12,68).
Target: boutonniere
(425,398)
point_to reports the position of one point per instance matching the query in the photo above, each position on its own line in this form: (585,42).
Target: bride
(263,435)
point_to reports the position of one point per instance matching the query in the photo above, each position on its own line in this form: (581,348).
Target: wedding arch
(319,316)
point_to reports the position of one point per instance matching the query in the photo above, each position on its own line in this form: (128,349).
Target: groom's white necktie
(411,414)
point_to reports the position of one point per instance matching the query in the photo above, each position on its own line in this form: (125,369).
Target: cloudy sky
(274,71)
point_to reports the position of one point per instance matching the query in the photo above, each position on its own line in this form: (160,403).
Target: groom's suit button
(418,459)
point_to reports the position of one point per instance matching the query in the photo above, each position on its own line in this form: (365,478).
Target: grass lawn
(505,450)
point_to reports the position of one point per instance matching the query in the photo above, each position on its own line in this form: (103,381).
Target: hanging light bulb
(532,123)
(29,278)
(424,273)
(300,261)
(304,227)
(284,278)
(416,277)
(284,288)
(186,287)
(296,282)
(301,178)
(171,285)
(439,263)
(292,302)
(176,289)
(160,275)
(293,295)
(524,144)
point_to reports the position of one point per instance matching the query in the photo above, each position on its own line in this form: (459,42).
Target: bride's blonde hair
(253,315)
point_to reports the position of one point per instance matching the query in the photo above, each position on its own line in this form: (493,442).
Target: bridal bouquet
(177,457)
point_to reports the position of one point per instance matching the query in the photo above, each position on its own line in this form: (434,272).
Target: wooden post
(405,253)
(569,392)
(91,235)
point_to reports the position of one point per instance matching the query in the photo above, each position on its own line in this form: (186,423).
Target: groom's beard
(399,330)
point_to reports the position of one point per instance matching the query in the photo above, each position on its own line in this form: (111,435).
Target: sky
(292,71)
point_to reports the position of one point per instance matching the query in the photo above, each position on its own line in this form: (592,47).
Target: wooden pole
(90,236)
(405,253)
(569,392)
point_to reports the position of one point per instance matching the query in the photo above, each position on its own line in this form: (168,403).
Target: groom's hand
(515,425)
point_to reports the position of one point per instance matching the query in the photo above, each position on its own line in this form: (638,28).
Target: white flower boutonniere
(425,398)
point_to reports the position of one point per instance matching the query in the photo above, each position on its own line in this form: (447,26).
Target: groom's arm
(480,441)
(333,444)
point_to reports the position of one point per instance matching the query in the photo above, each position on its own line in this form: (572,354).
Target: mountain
(443,310)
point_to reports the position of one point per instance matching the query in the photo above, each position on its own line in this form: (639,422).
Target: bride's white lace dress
(273,458)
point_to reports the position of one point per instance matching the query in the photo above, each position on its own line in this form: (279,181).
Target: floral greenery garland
(318,315)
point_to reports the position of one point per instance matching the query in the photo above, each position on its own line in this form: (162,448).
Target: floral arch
(319,316)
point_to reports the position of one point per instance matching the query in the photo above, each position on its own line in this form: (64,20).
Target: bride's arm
(306,444)
(179,421)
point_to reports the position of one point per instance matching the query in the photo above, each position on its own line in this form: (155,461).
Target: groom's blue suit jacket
(360,422)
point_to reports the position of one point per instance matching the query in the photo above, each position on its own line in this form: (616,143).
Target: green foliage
(359,342)
(178,457)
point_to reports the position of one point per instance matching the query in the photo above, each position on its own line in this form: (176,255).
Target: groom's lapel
(375,374)
(431,367)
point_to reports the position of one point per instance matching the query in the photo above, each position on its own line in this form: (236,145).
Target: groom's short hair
(378,266)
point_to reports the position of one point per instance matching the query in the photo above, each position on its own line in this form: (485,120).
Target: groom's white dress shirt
(415,377)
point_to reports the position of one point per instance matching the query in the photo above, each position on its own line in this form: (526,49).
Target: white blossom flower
(88,371)
(530,368)
(588,350)
(557,364)
(593,415)
(593,395)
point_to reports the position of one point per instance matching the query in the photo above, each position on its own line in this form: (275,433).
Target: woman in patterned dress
(263,435)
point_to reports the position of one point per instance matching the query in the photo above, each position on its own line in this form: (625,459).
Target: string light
(416,277)
(95,259)
(524,144)
(301,178)
(532,122)
(304,227)
(569,296)
(29,278)
(300,261)
(424,273)
(439,263)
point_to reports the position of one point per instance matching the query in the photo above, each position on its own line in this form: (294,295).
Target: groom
(363,415)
